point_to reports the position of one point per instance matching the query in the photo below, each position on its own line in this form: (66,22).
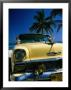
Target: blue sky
(21,19)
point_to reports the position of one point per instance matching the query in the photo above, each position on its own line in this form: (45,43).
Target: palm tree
(54,13)
(42,24)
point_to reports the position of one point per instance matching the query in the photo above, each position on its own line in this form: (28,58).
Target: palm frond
(59,27)
(39,16)
(56,12)
(34,26)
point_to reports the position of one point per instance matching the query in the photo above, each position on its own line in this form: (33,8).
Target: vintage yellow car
(35,53)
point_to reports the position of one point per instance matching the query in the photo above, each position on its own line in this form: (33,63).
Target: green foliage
(43,24)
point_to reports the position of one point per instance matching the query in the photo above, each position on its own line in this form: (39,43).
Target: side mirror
(51,40)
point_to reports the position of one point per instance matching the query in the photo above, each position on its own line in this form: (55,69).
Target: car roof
(26,36)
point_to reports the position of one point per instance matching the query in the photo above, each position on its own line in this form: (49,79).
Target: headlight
(19,54)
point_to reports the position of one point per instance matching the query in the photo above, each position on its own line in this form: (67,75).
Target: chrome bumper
(26,76)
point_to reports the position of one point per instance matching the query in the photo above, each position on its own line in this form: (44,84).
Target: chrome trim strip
(40,60)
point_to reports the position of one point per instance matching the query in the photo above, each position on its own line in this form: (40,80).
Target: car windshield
(32,38)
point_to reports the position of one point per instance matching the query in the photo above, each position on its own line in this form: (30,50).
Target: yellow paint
(35,51)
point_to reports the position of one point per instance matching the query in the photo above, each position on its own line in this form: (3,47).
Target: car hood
(41,50)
